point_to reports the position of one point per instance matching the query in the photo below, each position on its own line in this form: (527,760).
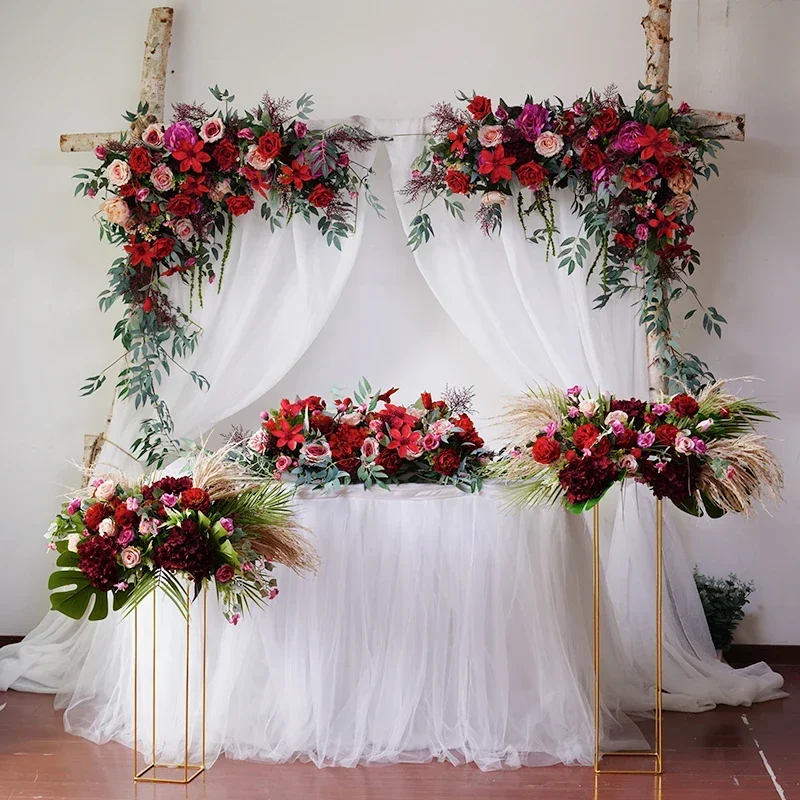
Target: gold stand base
(656,770)
(187,778)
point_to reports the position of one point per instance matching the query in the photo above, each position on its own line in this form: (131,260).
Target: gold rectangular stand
(657,752)
(190,771)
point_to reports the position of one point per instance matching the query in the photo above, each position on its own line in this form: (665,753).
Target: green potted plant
(723,601)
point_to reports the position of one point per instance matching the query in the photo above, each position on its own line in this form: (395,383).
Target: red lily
(194,185)
(458,140)
(405,441)
(664,225)
(295,175)
(656,143)
(257,181)
(495,164)
(140,253)
(286,434)
(192,156)
(637,179)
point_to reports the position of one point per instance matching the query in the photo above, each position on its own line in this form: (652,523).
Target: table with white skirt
(440,625)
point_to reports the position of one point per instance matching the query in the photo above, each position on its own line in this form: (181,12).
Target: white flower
(619,416)
(106,490)
(106,527)
(417,413)
(588,408)
(683,444)
(704,425)
(353,418)
(118,172)
(72,542)
(549,144)
(493,199)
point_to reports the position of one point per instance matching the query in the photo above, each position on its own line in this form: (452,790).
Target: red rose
(182,205)
(196,499)
(592,157)
(625,240)
(671,166)
(390,461)
(226,154)
(636,452)
(606,121)
(684,405)
(585,435)
(570,455)
(650,418)
(269,145)
(162,247)
(602,447)
(566,123)
(446,461)
(532,175)
(124,517)
(224,574)
(139,160)
(128,190)
(321,196)
(479,107)
(546,450)
(665,434)
(626,439)
(322,422)
(96,514)
(239,204)
(457,181)
(427,401)
(469,435)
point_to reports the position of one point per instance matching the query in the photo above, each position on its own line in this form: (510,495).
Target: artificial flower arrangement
(220,524)
(368,439)
(631,169)
(701,453)
(170,197)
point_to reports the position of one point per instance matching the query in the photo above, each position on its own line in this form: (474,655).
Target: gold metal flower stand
(150,772)
(657,752)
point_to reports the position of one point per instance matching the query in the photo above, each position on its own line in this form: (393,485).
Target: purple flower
(132,504)
(550,429)
(169,500)
(573,412)
(616,427)
(642,232)
(627,136)
(532,120)
(660,409)
(646,439)
(227,523)
(300,129)
(574,391)
(74,506)
(700,446)
(600,175)
(178,134)
(500,114)
(125,538)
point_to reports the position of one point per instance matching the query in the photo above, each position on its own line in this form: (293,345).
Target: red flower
(226,154)
(546,450)
(468,435)
(671,166)
(96,514)
(625,240)
(479,107)
(458,140)
(587,478)
(162,247)
(457,181)
(532,175)
(390,461)
(124,517)
(664,224)
(128,190)
(626,439)
(446,461)
(665,434)
(321,196)
(98,561)
(386,396)
(495,164)
(182,205)
(592,157)
(655,143)
(606,121)
(193,185)
(585,436)
(684,405)
(192,156)
(633,408)
(185,550)
(637,179)
(140,253)
(322,422)
(139,160)
(405,441)
(566,123)
(239,204)
(295,175)
(269,145)
(286,435)
(396,416)
(147,306)
(196,499)
(427,401)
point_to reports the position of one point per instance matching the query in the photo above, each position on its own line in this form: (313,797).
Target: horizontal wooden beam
(719,124)
(84,142)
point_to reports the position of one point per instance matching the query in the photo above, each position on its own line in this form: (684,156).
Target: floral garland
(700,453)
(219,524)
(631,170)
(171,197)
(369,440)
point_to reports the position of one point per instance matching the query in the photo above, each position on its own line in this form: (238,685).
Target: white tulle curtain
(534,323)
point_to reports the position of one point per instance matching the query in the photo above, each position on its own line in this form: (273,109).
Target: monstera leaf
(73,602)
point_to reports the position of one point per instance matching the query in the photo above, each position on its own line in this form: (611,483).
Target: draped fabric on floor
(533,324)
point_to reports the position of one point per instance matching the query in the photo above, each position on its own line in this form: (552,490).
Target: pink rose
(184,229)
(153,135)
(255,158)
(430,441)
(162,178)
(224,574)
(315,452)
(629,464)
(74,506)
(490,135)
(118,172)
(141,193)
(259,441)
(246,133)
(370,448)
(100,152)
(132,504)
(107,527)
(283,464)
(227,524)
(642,232)
(352,419)
(130,557)
(441,427)
(619,416)
(169,500)
(105,490)
(579,144)
(646,439)
(683,444)
(549,144)
(300,129)
(212,130)
(125,538)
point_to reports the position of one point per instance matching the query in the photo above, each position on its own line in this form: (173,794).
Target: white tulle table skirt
(440,625)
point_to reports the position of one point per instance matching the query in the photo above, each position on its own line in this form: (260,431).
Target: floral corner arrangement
(170,197)
(631,169)
(219,524)
(370,440)
(701,453)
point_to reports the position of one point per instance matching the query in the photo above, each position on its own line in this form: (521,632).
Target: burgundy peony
(446,461)
(98,561)
(546,450)
(626,439)
(390,461)
(677,481)
(587,478)
(322,422)
(602,447)
(684,405)
(186,550)
(196,499)
(633,408)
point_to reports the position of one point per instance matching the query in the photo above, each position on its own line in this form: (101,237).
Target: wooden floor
(747,753)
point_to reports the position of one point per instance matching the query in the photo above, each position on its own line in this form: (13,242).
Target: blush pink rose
(130,557)
(224,574)
(118,172)
(370,448)
(316,452)
(162,178)
(283,464)
(153,135)
(490,135)
(184,229)
(549,144)
(212,130)
(116,211)
(255,158)
(430,441)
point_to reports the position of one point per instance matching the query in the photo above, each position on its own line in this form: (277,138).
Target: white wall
(74,67)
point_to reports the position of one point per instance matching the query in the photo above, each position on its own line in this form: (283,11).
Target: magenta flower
(179,135)
(627,136)
(574,391)
(121,586)
(227,523)
(300,129)
(573,412)
(74,506)
(616,427)
(700,446)
(530,123)
(125,538)
(169,500)
(646,439)
(100,152)
(660,409)
(500,114)
(550,429)
(132,504)
(246,133)
(642,231)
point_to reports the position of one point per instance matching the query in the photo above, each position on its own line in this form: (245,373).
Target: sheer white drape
(535,324)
